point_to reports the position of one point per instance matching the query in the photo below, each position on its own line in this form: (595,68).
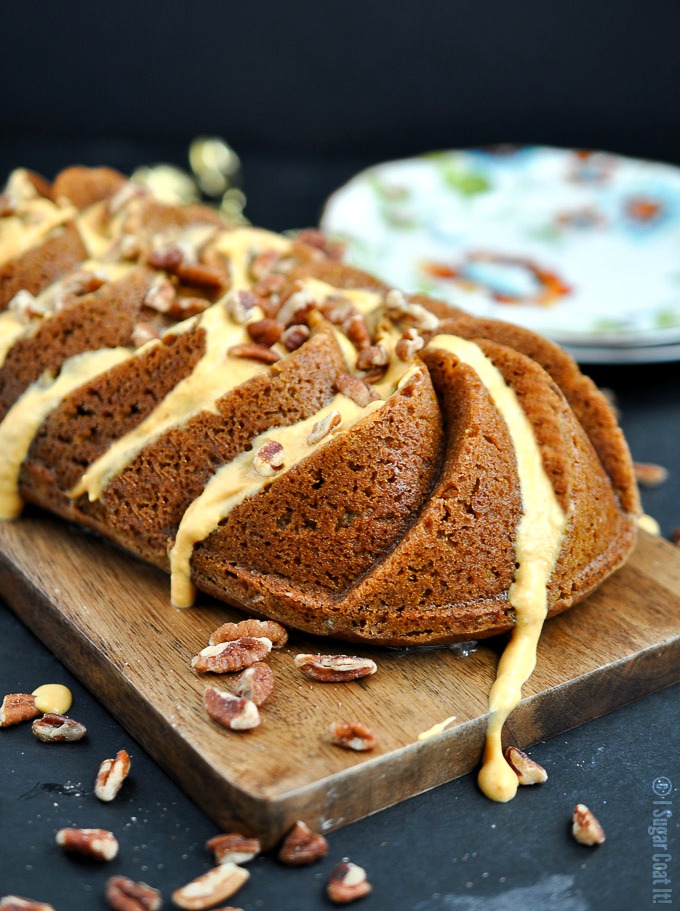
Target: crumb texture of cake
(289,434)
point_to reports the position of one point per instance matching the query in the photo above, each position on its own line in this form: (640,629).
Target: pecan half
(212,887)
(357,332)
(324,426)
(649,475)
(254,352)
(202,275)
(255,683)
(528,772)
(352,735)
(98,844)
(356,389)
(112,773)
(125,894)
(269,629)
(585,828)
(348,882)
(233,712)
(228,657)
(269,458)
(17,903)
(335,668)
(17,707)
(302,846)
(265,331)
(161,295)
(53,728)
(233,848)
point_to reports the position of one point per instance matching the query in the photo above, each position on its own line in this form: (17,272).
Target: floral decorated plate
(583,247)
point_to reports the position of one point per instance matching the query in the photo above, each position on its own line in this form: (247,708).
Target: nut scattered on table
(17,903)
(257,629)
(112,773)
(17,707)
(229,657)
(348,882)
(232,847)
(233,712)
(212,887)
(335,668)
(302,846)
(98,844)
(255,683)
(650,475)
(53,728)
(352,735)
(527,770)
(585,827)
(123,894)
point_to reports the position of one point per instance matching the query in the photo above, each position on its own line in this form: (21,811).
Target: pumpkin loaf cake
(291,435)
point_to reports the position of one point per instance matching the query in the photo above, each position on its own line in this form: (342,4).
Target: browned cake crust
(397,527)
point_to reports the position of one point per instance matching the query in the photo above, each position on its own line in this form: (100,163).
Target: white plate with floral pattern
(583,247)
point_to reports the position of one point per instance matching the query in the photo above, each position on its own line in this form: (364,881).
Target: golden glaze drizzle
(537,546)
(213,376)
(242,243)
(28,412)
(238,479)
(33,220)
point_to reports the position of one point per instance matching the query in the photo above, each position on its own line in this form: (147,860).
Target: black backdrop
(372,78)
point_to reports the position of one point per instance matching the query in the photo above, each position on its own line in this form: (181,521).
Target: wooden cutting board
(108,618)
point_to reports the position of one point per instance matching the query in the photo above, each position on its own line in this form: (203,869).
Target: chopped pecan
(409,345)
(356,389)
(295,304)
(373,356)
(270,287)
(125,894)
(160,295)
(649,475)
(265,331)
(253,351)
(233,712)
(338,310)
(53,728)
(166,257)
(399,308)
(255,683)
(239,305)
(302,846)
(233,848)
(585,828)
(143,332)
(352,735)
(112,773)
(357,332)
(227,657)
(347,883)
(335,668)
(295,336)
(269,628)
(17,707)
(98,844)
(269,458)
(17,903)
(527,771)
(212,887)
(323,427)
(263,263)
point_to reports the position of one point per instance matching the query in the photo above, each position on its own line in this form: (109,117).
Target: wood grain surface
(108,618)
